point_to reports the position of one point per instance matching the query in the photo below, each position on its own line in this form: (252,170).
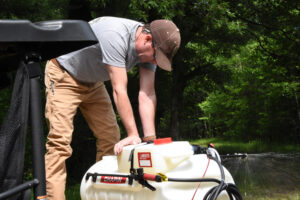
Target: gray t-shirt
(116,47)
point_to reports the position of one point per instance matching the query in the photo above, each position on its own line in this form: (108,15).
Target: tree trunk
(176,102)
(79,9)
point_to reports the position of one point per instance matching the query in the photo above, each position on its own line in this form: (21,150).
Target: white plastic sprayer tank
(153,159)
(159,157)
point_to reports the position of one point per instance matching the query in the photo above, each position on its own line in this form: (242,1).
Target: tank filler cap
(211,145)
(163,141)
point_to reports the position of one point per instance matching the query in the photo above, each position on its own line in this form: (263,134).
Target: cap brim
(163,61)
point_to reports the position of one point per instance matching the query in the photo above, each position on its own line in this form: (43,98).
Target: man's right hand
(130,140)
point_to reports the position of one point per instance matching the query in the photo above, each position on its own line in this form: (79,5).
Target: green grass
(255,146)
(273,195)
(73,192)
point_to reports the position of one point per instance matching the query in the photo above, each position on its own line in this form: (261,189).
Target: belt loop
(55,62)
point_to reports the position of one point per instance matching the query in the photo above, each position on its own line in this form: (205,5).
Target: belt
(54,60)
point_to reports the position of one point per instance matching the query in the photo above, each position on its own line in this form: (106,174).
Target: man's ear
(148,38)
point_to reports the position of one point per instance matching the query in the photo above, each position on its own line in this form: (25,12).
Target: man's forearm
(125,111)
(147,107)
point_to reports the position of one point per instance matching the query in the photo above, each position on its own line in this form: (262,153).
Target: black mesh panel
(13,134)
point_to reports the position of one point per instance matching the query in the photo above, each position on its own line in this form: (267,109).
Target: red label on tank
(113,179)
(144,159)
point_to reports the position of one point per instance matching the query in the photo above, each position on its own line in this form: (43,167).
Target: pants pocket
(53,74)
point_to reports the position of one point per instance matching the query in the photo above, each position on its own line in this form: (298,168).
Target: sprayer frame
(39,181)
(38,42)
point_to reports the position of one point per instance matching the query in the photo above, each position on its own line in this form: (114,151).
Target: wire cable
(202,177)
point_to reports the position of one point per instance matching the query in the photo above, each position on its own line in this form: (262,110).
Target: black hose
(194,180)
(219,188)
(231,189)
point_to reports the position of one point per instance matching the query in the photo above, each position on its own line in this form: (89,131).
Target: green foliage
(34,10)
(257,103)
(142,9)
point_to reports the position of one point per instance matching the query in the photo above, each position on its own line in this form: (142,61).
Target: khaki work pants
(64,96)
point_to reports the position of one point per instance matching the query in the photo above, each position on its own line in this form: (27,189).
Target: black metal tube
(19,188)
(38,145)
(193,180)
